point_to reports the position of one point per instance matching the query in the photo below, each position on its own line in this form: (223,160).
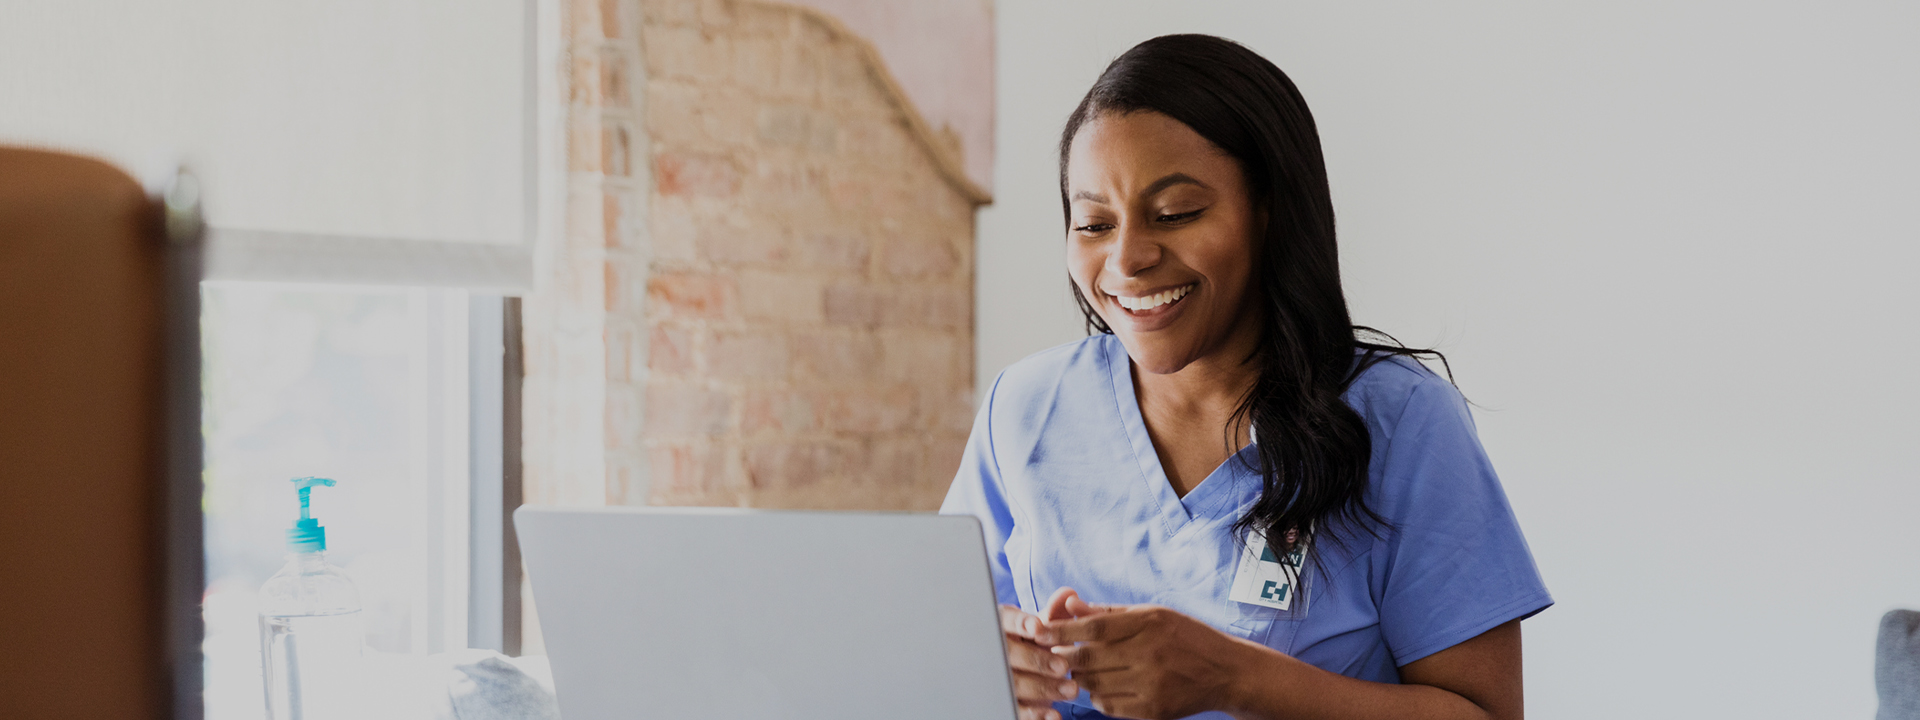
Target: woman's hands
(1151,662)
(1039,676)
(1144,661)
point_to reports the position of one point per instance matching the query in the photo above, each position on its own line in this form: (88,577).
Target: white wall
(1669,248)
(356,118)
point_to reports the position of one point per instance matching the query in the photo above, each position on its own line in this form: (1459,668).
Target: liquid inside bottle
(310,640)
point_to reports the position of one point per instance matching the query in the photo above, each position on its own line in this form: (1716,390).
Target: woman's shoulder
(1083,357)
(1075,369)
(1395,388)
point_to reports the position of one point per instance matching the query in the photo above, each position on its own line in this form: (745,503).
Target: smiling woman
(1230,499)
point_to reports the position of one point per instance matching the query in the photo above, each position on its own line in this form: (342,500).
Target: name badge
(1262,578)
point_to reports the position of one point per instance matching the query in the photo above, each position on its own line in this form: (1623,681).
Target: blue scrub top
(1065,481)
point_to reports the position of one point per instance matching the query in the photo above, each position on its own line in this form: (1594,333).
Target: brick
(689,295)
(756,64)
(798,126)
(942,462)
(673,231)
(935,307)
(783,187)
(627,478)
(936,359)
(848,80)
(908,258)
(622,348)
(623,416)
(584,135)
(800,72)
(670,12)
(940,307)
(867,410)
(670,350)
(782,297)
(852,191)
(584,19)
(613,22)
(626,281)
(741,245)
(758,19)
(751,355)
(685,469)
(896,461)
(687,53)
(616,148)
(881,139)
(799,464)
(717,14)
(696,174)
(673,111)
(946,409)
(783,315)
(855,304)
(620,219)
(586,215)
(831,252)
(779,411)
(585,86)
(836,357)
(675,409)
(614,84)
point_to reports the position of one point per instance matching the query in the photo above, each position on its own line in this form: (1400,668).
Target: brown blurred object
(99,445)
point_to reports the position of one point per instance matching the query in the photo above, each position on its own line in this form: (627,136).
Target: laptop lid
(721,614)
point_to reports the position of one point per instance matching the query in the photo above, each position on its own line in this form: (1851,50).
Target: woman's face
(1161,238)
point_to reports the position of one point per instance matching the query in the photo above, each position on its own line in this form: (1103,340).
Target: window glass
(364,386)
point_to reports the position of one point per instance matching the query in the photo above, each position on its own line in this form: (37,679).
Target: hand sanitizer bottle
(310,631)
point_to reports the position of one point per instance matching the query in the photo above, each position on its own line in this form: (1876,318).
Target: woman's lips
(1152,303)
(1156,311)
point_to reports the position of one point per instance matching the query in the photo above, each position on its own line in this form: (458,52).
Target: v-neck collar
(1174,511)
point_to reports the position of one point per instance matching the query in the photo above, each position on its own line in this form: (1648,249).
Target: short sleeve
(1455,564)
(977,490)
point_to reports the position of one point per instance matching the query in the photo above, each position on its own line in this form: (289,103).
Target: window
(394,393)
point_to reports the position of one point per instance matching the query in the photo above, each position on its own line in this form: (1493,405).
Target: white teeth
(1155,300)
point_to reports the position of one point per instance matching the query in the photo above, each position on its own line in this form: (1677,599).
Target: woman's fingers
(1039,712)
(1030,688)
(1080,608)
(1030,657)
(1018,623)
(1057,605)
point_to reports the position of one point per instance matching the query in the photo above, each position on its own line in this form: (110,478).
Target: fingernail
(1028,625)
(1067,689)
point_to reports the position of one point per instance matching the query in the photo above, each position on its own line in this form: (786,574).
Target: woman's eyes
(1168,219)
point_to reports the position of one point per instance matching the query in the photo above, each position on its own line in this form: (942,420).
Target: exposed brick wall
(810,305)
(765,293)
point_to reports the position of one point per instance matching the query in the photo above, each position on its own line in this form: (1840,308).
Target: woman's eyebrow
(1154,189)
(1170,181)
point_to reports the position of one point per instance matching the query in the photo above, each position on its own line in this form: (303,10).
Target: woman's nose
(1134,252)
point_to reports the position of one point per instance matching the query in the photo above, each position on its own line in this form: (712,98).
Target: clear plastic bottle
(310,628)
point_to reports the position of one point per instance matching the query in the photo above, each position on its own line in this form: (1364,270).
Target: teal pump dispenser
(310,629)
(307,535)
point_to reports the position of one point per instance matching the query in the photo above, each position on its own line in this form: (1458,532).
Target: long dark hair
(1313,448)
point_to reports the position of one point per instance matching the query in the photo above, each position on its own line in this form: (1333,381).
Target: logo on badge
(1274,591)
(1265,577)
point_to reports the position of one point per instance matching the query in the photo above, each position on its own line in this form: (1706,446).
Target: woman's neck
(1191,411)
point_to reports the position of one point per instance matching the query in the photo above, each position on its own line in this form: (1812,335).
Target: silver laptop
(722,614)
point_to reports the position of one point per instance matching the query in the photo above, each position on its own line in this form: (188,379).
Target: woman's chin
(1155,357)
